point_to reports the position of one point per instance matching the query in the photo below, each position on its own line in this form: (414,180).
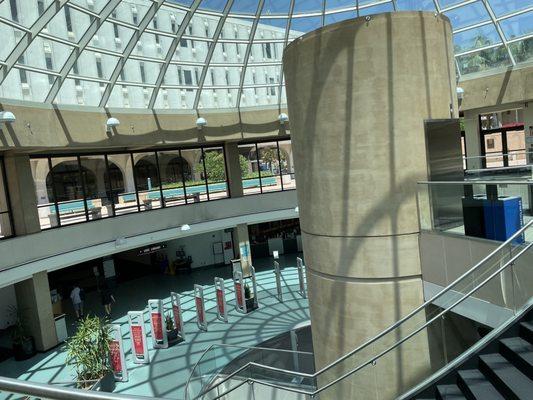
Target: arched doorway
(66,180)
(176,168)
(145,172)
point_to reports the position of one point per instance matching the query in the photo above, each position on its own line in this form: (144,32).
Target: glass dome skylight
(194,54)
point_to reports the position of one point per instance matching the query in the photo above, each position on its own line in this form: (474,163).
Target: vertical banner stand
(301,279)
(157,322)
(222,310)
(240,304)
(139,348)
(116,350)
(277,272)
(254,286)
(200,307)
(178,315)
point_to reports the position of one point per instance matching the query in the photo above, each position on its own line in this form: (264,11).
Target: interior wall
(200,249)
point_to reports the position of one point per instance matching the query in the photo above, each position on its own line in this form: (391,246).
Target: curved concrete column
(358,94)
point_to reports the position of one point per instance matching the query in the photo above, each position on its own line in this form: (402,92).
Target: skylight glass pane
(97,5)
(213,5)
(502,7)
(475,38)
(415,5)
(10,37)
(80,92)
(518,26)
(244,7)
(337,17)
(94,65)
(305,24)
(153,45)
(276,7)
(69,24)
(468,15)
(339,4)
(387,7)
(484,60)
(112,37)
(522,50)
(449,3)
(23,12)
(129,96)
(307,6)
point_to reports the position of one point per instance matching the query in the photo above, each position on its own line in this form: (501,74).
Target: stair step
(449,392)
(509,381)
(476,386)
(526,331)
(520,352)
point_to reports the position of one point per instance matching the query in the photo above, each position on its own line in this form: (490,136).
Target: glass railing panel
(491,210)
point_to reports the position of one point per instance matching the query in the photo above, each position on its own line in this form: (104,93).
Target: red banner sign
(239,294)
(138,345)
(114,350)
(157,323)
(176,312)
(220,301)
(199,309)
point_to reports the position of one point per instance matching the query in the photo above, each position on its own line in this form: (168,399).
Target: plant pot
(250,305)
(105,384)
(24,350)
(173,337)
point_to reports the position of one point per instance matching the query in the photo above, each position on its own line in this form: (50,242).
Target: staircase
(501,370)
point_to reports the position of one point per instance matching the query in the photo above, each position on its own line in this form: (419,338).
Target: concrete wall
(358,94)
(489,90)
(58,248)
(200,248)
(41,126)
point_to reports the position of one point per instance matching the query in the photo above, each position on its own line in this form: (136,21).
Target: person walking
(76,296)
(107,299)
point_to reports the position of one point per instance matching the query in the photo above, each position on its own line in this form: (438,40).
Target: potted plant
(88,351)
(172,332)
(23,343)
(249,298)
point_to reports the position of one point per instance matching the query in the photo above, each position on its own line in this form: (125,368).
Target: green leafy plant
(169,322)
(247,292)
(88,351)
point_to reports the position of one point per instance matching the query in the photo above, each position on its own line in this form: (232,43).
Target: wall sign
(151,249)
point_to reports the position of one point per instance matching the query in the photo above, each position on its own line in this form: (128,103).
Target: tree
(243,162)
(214,165)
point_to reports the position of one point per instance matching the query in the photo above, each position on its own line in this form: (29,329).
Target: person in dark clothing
(107,298)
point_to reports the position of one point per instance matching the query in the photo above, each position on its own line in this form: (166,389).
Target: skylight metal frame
(37,29)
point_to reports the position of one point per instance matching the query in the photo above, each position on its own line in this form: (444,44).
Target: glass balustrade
(380,365)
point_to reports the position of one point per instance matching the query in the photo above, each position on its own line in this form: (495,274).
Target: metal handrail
(239,347)
(384,352)
(52,392)
(480,182)
(391,327)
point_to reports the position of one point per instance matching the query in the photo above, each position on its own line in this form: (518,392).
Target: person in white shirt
(77,301)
